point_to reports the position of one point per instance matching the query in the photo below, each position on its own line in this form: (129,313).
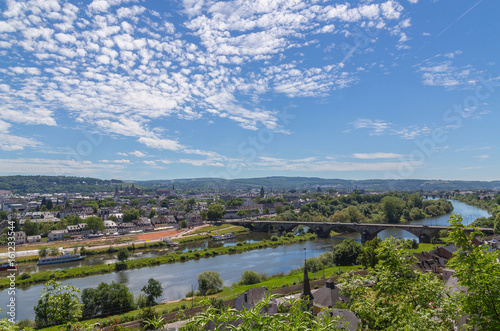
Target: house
(124,228)
(446,251)
(20,237)
(349,320)
(77,230)
(252,296)
(163,219)
(57,235)
(144,224)
(34,239)
(111,227)
(327,297)
(428,262)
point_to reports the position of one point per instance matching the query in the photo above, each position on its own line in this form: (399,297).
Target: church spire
(306,287)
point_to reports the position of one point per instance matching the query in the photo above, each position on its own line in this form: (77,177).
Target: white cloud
(320,164)
(439,72)
(166,144)
(377,127)
(58,167)
(380,155)
(138,154)
(9,142)
(126,70)
(150,163)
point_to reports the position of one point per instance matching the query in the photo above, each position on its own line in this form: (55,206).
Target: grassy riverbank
(42,277)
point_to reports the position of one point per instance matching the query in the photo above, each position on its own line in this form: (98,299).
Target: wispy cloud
(370,156)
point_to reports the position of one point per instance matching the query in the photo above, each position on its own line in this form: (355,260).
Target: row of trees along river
(178,278)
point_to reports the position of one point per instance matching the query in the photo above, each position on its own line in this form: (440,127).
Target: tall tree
(478,270)
(392,208)
(153,290)
(58,304)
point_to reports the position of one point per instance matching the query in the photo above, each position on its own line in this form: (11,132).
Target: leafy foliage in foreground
(479,270)
(401,298)
(289,318)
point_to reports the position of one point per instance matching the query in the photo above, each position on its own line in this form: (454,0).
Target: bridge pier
(366,236)
(424,239)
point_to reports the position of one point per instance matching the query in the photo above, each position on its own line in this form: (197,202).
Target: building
(20,237)
(327,297)
(34,239)
(57,235)
(252,296)
(111,227)
(77,230)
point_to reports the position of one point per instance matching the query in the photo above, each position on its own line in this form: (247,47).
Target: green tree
(401,297)
(249,277)
(183,224)
(131,214)
(94,224)
(3,215)
(58,304)
(215,212)
(72,220)
(279,209)
(347,252)
(392,208)
(478,270)
(266,211)
(153,290)
(31,228)
(209,282)
(107,299)
(152,213)
(122,255)
(368,257)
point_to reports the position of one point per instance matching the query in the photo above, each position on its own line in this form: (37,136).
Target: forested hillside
(54,184)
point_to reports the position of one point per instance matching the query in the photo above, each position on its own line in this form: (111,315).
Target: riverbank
(180,307)
(173,257)
(140,245)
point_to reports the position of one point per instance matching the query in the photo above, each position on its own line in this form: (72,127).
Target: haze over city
(183,89)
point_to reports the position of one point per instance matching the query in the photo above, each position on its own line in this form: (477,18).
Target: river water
(178,278)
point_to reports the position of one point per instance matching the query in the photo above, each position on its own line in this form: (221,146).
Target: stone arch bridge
(368,231)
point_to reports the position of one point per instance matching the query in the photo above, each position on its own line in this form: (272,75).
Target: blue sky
(179,89)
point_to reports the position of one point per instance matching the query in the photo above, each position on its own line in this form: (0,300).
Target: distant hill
(55,184)
(313,182)
(85,185)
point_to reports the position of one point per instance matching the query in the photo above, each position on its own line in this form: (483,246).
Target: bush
(347,252)
(120,266)
(141,301)
(25,275)
(249,277)
(147,313)
(274,238)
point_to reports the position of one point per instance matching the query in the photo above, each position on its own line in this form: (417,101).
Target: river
(178,278)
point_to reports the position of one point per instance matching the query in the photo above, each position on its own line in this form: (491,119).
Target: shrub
(274,238)
(25,275)
(249,277)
